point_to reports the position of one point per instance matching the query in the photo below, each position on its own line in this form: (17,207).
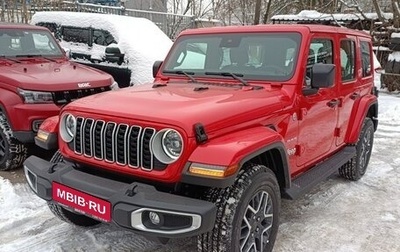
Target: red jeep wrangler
(36,80)
(237,118)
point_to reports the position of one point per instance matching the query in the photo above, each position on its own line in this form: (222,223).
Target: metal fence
(171,24)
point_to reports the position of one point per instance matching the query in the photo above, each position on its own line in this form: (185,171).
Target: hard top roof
(303,28)
(5,25)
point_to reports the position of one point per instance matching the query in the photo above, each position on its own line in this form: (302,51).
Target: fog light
(36,124)
(154,218)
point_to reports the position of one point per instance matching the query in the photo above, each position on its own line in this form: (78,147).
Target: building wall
(149,5)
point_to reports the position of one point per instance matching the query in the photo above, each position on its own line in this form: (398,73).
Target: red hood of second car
(182,105)
(51,75)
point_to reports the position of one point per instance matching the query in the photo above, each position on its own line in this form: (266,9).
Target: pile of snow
(139,39)
(310,15)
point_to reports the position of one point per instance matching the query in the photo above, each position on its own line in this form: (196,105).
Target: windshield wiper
(187,74)
(28,55)
(236,76)
(35,56)
(8,58)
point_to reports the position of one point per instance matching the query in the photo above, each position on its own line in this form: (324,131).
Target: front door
(318,112)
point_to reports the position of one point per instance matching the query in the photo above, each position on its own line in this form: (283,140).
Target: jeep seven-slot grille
(64,97)
(126,145)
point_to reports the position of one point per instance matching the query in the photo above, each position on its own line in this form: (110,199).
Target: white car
(126,47)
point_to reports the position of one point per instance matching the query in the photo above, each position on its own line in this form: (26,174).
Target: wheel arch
(8,100)
(260,145)
(273,157)
(366,107)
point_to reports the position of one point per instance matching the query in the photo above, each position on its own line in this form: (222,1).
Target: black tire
(12,152)
(356,167)
(237,228)
(64,214)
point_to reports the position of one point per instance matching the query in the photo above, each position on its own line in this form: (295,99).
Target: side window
(43,43)
(101,37)
(74,34)
(366,59)
(51,26)
(321,52)
(347,59)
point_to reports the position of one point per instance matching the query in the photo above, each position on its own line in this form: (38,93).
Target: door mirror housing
(323,75)
(156,67)
(114,55)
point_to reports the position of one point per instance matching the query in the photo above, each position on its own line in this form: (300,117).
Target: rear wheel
(12,152)
(356,167)
(64,214)
(247,213)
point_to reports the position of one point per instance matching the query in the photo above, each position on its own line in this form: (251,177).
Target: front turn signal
(212,170)
(42,135)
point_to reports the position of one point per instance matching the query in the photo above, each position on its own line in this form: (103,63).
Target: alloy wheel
(365,151)
(257,223)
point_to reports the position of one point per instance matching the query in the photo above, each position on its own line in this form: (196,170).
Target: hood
(52,75)
(183,105)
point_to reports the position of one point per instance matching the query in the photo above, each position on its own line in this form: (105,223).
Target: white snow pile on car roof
(310,15)
(140,39)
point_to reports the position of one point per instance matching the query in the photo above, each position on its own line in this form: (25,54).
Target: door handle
(333,103)
(354,96)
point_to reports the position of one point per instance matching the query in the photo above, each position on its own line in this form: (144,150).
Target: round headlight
(167,145)
(172,144)
(68,127)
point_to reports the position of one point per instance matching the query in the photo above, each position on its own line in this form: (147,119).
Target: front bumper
(131,204)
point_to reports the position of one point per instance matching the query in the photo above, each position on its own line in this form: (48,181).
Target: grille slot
(120,144)
(133,144)
(147,155)
(87,137)
(78,138)
(109,140)
(116,143)
(98,139)
(64,97)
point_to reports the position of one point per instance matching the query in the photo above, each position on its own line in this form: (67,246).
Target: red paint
(54,73)
(241,121)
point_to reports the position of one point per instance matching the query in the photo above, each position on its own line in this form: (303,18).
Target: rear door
(356,73)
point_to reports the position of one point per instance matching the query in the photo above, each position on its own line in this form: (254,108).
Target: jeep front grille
(125,145)
(64,97)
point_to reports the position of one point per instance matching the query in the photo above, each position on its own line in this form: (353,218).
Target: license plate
(82,202)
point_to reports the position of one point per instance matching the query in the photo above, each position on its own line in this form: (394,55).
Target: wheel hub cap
(366,147)
(257,223)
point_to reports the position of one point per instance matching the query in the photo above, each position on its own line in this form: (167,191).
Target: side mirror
(156,67)
(114,55)
(322,75)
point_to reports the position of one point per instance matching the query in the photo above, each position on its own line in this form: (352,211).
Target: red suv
(237,118)
(36,81)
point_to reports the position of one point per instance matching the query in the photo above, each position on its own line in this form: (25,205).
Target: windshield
(266,56)
(14,43)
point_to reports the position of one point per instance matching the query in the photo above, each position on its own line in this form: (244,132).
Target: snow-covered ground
(338,215)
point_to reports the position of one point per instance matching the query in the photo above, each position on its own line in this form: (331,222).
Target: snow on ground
(338,215)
